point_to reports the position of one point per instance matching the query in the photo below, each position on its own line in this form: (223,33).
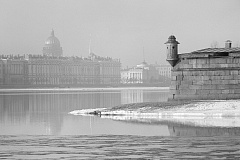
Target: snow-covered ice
(221,113)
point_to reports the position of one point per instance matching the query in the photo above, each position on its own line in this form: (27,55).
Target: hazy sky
(119,28)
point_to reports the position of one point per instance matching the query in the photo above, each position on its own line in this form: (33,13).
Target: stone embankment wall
(206,76)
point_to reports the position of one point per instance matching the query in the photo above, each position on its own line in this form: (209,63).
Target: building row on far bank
(47,70)
(51,68)
(146,74)
(39,70)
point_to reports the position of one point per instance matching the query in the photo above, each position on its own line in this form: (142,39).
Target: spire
(143,55)
(89,47)
(52,33)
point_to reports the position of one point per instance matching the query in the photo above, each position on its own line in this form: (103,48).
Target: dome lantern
(52,33)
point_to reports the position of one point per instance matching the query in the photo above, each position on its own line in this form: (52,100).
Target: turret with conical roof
(172,50)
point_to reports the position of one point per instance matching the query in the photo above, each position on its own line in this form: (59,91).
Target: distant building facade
(52,69)
(45,70)
(164,70)
(142,73)
(13,70)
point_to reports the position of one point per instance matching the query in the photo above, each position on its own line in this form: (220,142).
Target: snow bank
(220,113)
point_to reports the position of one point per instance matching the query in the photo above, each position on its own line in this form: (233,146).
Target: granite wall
(206,76)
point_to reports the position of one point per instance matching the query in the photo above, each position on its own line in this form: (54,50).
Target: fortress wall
(204,77)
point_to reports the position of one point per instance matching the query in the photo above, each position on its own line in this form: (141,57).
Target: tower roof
(172,39)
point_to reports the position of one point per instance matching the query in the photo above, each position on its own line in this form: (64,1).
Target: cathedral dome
(52,46)
(52,40)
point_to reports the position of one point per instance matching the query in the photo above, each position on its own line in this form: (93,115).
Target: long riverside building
(53,69)
(211,73)
(45,70)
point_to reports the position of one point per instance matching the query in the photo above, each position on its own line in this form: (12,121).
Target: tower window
(173,47)
(167,47)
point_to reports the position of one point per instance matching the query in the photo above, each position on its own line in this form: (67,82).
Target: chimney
(228,44)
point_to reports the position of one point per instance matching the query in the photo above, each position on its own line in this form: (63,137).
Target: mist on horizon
(129,30)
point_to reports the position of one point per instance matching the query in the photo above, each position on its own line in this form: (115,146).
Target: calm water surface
(36,125)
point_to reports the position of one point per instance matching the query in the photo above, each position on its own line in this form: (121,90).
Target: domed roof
(172,39)
(142,65)
(52,40)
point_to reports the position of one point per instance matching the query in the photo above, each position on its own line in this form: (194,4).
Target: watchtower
(172,50)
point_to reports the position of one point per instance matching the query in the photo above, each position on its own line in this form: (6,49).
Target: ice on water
(219,113)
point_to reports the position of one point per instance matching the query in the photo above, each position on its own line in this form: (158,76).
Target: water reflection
(178,129)
(47,112)
(14,109)
(139,95)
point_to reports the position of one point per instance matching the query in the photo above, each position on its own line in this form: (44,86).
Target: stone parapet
(206,77)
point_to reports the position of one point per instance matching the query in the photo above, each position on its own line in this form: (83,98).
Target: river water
(36,124)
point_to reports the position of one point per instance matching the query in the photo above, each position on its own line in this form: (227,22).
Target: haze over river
(36,124)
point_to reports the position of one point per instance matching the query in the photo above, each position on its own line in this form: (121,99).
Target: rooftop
(218,50)
(44,57)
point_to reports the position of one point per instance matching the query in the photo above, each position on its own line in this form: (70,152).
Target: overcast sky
(119,28)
